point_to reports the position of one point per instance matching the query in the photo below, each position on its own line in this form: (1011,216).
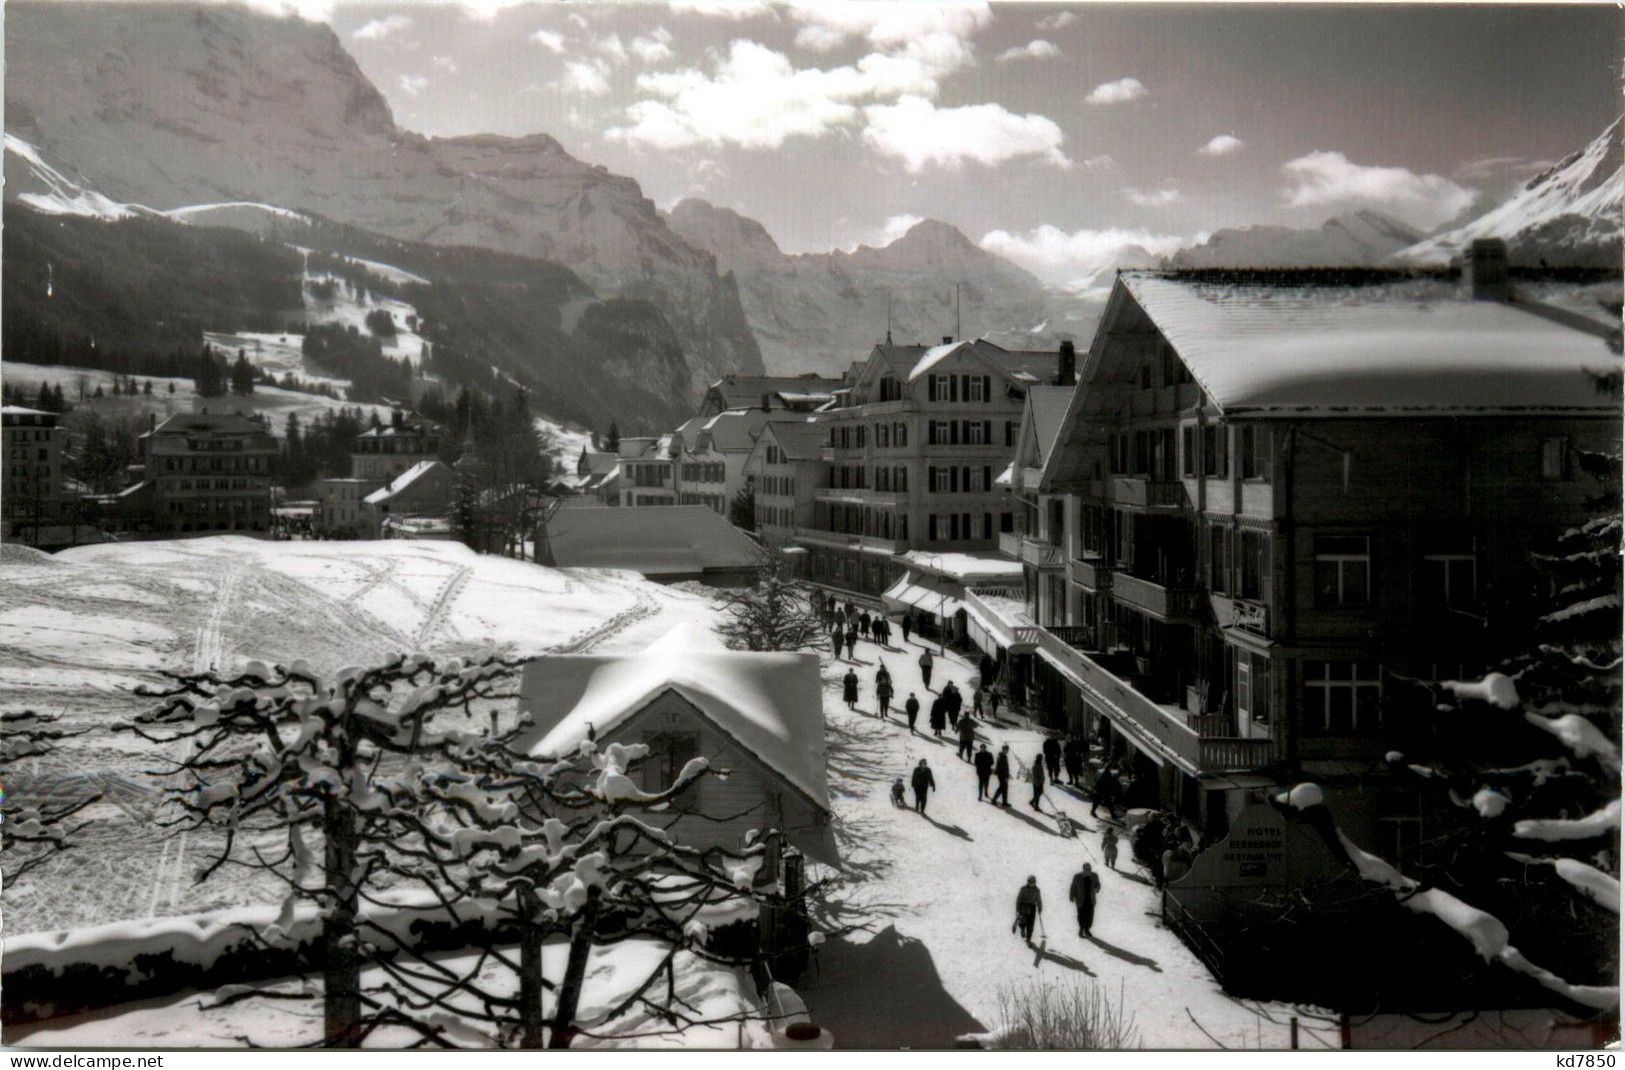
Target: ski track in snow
(210,637)
(435,618)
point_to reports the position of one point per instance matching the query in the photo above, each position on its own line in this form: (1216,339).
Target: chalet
(1275,495)
(208,473)
(382,453)
(426,490)
(782,471)
(793,393)
(677,543)
(758,716)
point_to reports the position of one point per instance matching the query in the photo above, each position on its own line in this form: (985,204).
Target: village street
(936,893)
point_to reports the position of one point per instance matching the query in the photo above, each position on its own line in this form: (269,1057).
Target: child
(897,798)
(1108,847)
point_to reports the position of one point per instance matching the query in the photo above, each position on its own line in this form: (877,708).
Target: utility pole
(957,334)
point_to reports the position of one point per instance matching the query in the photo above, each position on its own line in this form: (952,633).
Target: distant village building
(758,717)
(793,393)
(682,542)
(1272,493)
(208,473)
(424,491)
(914,452)
(382,453)
(648,475)
(36,499)
(783,471)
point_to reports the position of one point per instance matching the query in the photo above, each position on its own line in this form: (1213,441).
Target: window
(1342,570)
(1450,575)
(975,388)
(1341,698)
(1215,452)
(669,752)
(1255,452)
(1145,377)
(1218,560)
(1253,564)
(1187,450)
(902,434)
(1007,522)
(1554,457)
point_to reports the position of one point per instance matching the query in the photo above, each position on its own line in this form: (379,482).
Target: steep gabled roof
(1411,346)
(1024,366)
(401,482)
(771,705)
(1046,407)
(800,440)
(663,540)
(745,391)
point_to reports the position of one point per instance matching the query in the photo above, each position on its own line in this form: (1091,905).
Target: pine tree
(612,441)
(242,375)
(742,510)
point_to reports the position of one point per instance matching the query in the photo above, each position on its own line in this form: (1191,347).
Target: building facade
(209,473)
(781,472)
(1273,503)
(382,453)
(35,481)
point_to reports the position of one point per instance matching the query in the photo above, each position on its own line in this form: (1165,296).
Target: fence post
(1294,1032)
(1345,1033)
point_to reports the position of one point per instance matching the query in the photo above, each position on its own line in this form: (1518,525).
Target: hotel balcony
(889,499)
(1178,602)
(1141,493)
(1031,551)
(1107,681)
(845,541)
(1092,573)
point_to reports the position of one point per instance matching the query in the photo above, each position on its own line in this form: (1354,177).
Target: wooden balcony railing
(1163,602)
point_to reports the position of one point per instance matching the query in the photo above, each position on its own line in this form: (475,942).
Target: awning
(921,593)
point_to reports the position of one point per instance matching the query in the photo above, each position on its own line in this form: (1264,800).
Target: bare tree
(776,613)
(32,832)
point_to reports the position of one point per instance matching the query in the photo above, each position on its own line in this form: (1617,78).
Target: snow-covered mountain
(174,106)
(1566,216)
(821,311)
(1354,240)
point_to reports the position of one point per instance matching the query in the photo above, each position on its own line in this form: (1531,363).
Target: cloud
(895,227)
(921,134)
(578,20)
(1331,178)
(1058,21)
(1119,92)
(378,29)
(1039,49)
(1099,163)
(654,46)
(445,63)
(721,9)
(1151,198)
(581,76)
(889,23)
(413,84)
(756,98)
(612,46)
(550,40)
(1222,145)
(1074,259)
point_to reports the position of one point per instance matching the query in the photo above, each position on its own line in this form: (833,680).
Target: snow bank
(1579,735)
(1553,829)
(1496,688)
(1589,881)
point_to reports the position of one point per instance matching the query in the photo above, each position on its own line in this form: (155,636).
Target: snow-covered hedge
(49,974)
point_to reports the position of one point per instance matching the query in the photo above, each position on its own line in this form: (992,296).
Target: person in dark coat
(923,782)
(993,699)
(1029,904)
(851,611)
(849,689)
(851,640)
(884,626)
(984,772)
(939,716)
(864,623)
(1038,781)
(1001,773)
(912,709)
(1052,757)
(835,637)
(908,625)
(987,668)
(1108,847)
(926,661)
(883,692)
(1072,756)
(951,700)
(967,737)
(1084,892)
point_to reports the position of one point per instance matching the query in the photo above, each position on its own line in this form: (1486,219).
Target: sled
(1065,826)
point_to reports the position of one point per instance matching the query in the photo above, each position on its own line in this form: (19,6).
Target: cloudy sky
(1046,132)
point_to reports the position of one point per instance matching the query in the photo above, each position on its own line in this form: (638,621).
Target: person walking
(1105,791)
(1001,773)
(883,692)
(835,637)
(993,703)
(1052,757)
(950,703)
(1072,757)
(908,625)
(939,716)
(885,632)
(849,689)
(912,709)
(1084,892)
(923,782)
(984,773)
(967,737)
(1037,774)
(851,640)
(976,699)
(1108,847)
(1029,904)
(987,667)
(864,623)
(926,661)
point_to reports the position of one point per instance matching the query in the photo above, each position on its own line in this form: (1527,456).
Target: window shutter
(987,389)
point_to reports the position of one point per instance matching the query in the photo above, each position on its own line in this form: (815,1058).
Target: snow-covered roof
(22,410)
(400,482)
(800,440)
(663,540)
(770,704)
(1022,366)
(1413,346)
(967,567)
(934,356)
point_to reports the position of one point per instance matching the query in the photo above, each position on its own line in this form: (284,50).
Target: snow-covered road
(936,893)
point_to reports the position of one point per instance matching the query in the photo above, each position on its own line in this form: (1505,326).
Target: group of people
(847,623)
(1084,893)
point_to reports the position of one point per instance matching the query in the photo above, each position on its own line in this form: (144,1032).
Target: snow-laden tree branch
(33,832)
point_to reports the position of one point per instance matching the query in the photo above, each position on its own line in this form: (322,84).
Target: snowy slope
(80,629)
(1567,215)
(45,189)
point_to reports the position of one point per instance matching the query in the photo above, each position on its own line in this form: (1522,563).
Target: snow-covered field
(80,629)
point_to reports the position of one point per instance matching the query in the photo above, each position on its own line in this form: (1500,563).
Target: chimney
(1066,366)
(1484,271)
(767,402)
(947,339)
